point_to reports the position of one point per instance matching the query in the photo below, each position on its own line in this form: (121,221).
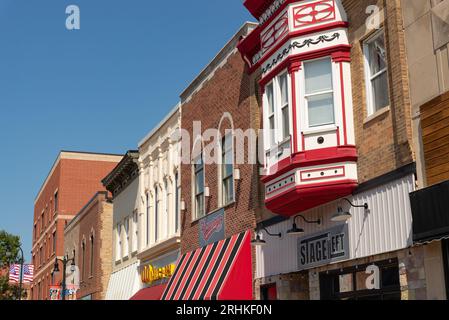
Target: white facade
(385,227)
(159,192)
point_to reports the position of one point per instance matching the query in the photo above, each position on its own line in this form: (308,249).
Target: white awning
(124,283)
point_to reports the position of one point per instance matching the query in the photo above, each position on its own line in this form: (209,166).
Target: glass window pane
(199,206)
(318,76)
(284,89)
(272,132)
(228,190)
(285,123)
(380,91)
(377,55)
(200,182)
(270,98)
(321,110)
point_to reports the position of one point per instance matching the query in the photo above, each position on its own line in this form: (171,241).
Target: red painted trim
(294,67)
(343,103)
(338,137)
(292,34)
(341,56)
(322,169)
(312,7)
(314,54)
(311,158)
(283,188)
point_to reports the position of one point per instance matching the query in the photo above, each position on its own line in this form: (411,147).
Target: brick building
(335,89)
(219,199)
(88,239)
(73,179)
(426,31)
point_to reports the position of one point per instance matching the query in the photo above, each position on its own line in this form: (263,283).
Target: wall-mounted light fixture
(343,216)
(183,205)
(295,231)
(206,192)
(258,241)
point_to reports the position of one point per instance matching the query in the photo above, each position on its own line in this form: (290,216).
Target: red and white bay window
(309,142)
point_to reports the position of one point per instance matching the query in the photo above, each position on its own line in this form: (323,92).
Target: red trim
(314,54)
(293,68)
(303,137)
(284,187)
(322,178)
(343,102)
(338,137)
(312,12)
(303,198)
(311,158)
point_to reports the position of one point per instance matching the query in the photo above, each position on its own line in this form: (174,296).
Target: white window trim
(306,128)
(368,76)
(278,107)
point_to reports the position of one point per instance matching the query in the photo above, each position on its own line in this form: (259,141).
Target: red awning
(220,271)
(153,293)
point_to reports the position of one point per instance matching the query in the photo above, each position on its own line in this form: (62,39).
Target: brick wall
(76,181)
(384,141)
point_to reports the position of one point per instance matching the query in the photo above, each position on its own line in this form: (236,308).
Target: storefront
(368,256)
(154,276)
(218,271)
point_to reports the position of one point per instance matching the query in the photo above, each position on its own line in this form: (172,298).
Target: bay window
(319,93)
(278,111)
(376,73)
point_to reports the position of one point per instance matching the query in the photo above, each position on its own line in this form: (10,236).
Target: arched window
(199,187)
(227,169)
(83,260)
(92,255)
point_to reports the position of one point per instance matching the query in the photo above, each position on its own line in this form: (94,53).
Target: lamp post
(22,261)
(65,261)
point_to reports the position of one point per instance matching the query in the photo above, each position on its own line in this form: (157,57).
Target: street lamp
(294,231)
(343,216)
(259,241)
(22,261)
(65,261)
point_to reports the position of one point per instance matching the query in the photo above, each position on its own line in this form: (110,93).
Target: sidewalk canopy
(220,271)
(153,293)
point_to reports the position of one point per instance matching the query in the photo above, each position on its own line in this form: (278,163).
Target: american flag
(14,273)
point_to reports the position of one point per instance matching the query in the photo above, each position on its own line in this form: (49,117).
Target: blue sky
(100,89)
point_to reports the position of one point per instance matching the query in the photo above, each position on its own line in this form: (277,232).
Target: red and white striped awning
(220,271)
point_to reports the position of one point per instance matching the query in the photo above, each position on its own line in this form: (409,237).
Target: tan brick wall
(385,142)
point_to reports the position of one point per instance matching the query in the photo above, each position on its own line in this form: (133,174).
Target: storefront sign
(151,274)
(212,228)
(323,248)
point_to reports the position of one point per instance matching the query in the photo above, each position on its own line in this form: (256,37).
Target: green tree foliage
(9,254)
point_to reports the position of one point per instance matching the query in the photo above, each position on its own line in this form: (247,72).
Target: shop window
(277,110)
(199,187)
(319,93)
(268,292)
(350,284)
(376,73)
(227,171)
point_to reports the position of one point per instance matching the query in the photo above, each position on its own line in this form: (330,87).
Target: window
(177,202)
(278,111)
(126,243)
(54,242)
(92,248)
(41,255)
(319,94)
(83,261)
(148,219)
(135,232)
(56,201)
(42,221)
(166,206)
(376,73)
(35,232)
(118,242)
(227,158)
(199,187)
(156,213)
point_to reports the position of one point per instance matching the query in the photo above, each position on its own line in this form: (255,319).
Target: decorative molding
(297,45)
(271,11)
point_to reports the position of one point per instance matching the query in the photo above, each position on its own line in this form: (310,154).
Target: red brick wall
(76,181)
(230,90)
